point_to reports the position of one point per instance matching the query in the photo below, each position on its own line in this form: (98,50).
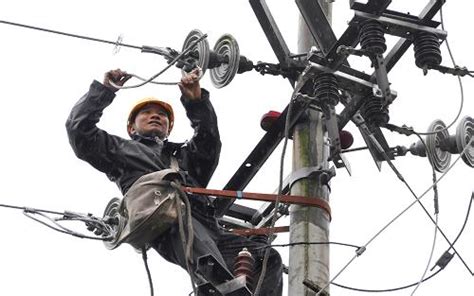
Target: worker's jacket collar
(148,140)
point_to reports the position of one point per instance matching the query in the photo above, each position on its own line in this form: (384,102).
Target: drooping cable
(187,241)
(160,82)
(170,64)
(465,222)
(307,243)
(277,203)
(429,259)
(301,81)
(434,186)
(145,261)
(98,224)
(385,290)
(417,200)
(442,263)
(424,280)
(461,88)
(429,153)
(58,227)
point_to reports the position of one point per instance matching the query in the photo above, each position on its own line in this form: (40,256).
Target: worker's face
(151,121)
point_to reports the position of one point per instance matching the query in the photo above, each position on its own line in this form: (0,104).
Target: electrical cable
(116,43)
(277,202)
(459,80)
(426,279)
(145,261)
(70,216)
(443,264)
(302,80)
(155,82)
(465,222)
(433,186)
(158,82)
(385,290)
(363,248)
(61,228)
(354,149)
(429,259)
(307,243)
(187,243)
(170,64)
(436,210)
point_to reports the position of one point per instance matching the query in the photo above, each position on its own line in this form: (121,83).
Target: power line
(424,280)
(362,249)
(385,290)
(99,225)
(116,43)
(461,88)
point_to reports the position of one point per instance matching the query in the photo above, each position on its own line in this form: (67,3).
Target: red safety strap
(288,199)
(260,231)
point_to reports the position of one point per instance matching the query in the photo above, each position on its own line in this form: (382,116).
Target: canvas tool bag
(149,208)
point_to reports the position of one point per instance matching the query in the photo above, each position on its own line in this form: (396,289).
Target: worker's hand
(117,77)
(189,85)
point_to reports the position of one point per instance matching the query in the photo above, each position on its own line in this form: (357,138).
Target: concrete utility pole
(309,224)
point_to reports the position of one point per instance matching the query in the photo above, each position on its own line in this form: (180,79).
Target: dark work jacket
(124,160)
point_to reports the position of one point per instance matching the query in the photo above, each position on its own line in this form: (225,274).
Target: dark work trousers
(224,246)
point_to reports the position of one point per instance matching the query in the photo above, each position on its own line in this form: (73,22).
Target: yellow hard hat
(146,101)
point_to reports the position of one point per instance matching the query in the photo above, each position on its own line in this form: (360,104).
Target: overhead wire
(384,290)
(106,233)
(429,259)
(417,200)
(429,154)
(150,80)
(116,43)
(307,243)
(170,83)
(170,64)
(424,280)
(435,182)
(457,237)
(461,88)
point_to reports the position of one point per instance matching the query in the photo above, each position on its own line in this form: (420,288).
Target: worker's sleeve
(90,143)
(203,150)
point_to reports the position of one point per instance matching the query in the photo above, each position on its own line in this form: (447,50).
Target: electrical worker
(124,161)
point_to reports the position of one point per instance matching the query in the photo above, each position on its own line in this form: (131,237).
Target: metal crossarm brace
(403,44)
(333,60)
(258,156)
(395,25)
(350,37)
(390,60)
(318,24)
(272,32)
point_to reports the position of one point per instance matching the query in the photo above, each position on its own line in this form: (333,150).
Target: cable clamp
(323,175)
(360,250)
